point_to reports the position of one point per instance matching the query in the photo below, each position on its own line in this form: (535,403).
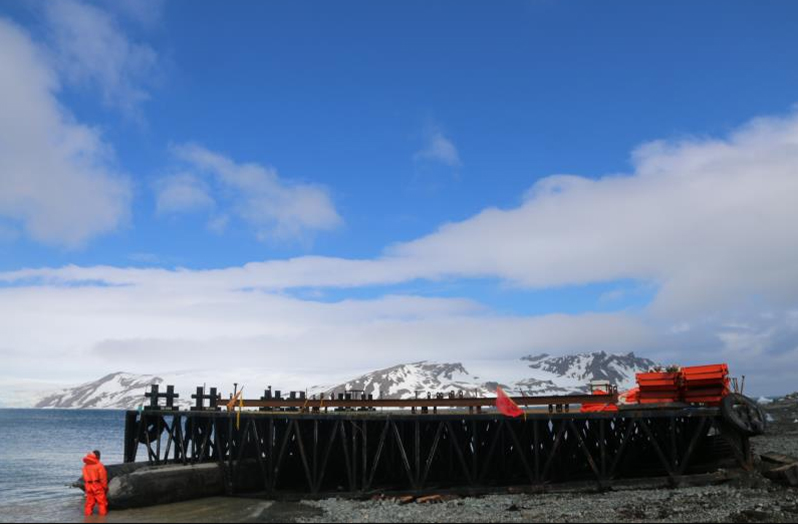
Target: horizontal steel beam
(558,400)
(444,414)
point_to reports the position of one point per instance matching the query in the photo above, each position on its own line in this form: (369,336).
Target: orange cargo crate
(698,384)
(673,377)
(646,380)
(706,384)
(660,392)
(704,379)
(657,400)
(714,368)
(657,384)
(699,392)
(705,373)
(695,384)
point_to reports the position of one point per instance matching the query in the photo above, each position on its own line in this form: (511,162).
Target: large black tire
(744,414)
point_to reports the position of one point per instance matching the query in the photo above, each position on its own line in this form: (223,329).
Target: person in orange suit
(95,478)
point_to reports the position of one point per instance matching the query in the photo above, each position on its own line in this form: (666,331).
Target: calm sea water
(41,454)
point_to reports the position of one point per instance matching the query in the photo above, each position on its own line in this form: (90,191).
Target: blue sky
(340,94)
(370,126)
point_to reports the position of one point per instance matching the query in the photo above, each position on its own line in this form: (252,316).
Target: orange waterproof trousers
(95,496)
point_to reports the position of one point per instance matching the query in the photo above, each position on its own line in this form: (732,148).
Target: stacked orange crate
(658,388)
(705,384)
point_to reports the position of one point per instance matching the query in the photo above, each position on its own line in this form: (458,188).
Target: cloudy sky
(336,187)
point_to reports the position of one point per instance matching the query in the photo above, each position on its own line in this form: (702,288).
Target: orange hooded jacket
(94,474)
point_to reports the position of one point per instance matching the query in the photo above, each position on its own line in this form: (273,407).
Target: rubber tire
(730,415)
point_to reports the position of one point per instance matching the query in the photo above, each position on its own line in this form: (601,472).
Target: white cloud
(182,193)
(439,148)
(57,178)
(709,221)
(275,207)
(91,49)
(149,327)
(168,318)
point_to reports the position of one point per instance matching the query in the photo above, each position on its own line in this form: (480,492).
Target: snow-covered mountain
(116,391)
(405,380)
(539,375)
(575,372)
(547,375)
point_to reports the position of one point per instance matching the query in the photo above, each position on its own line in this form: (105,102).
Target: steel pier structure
(366,451)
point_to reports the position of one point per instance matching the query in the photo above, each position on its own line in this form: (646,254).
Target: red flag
(506,406)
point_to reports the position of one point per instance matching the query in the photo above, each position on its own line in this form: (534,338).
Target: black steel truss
(315,453)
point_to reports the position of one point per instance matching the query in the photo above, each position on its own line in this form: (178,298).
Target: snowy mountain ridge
(405,380)
(545,375)
(117,390)
(578,370)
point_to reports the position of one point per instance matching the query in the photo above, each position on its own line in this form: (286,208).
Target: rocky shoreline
(727,503)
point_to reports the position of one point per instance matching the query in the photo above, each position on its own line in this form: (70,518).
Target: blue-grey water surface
(41,453)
